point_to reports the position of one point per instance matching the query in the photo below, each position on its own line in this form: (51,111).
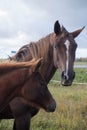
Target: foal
(13,75)
(20,80)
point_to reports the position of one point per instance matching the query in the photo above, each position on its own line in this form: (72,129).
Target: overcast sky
(22,21)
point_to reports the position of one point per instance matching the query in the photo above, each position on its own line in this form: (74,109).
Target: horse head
(35,91)
(64,49)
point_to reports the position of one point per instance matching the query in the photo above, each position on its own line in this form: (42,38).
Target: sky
(22,21)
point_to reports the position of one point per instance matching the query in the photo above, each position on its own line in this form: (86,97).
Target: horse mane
(7,66)
(15,64)
(41,48)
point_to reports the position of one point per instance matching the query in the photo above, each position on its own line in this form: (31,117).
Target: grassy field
(80,75)
(71,111)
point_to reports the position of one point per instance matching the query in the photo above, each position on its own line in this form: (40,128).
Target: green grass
(70,114)
(80,75)
(6,124)
(71,111)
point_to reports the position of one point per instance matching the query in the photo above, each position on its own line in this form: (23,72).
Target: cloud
(22,21)
(2,13)
(81,52)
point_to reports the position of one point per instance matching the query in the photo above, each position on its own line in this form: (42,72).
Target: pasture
(71,111)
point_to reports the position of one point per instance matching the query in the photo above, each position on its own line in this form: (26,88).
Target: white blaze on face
(67,44)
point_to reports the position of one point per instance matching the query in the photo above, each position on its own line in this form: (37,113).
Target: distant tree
(81,59)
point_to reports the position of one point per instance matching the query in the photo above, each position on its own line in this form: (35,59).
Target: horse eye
(76,46)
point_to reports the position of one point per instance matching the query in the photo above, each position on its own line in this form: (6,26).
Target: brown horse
(22,80)
(13,75)
(58,51)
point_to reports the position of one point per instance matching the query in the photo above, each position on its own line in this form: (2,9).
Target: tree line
(81,59)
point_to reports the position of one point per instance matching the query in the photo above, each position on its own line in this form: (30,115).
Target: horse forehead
(67,43)
(70,43)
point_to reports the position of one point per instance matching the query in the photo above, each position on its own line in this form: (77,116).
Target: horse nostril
(71,75)
(67,78)
(63,75)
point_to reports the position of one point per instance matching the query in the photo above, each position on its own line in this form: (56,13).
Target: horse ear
(77,32)
(57,28)
(9,57)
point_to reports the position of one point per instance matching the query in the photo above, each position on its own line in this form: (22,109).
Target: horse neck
(10,85)
(44,48)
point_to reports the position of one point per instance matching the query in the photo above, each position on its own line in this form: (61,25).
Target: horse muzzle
(67,79)
(51,107)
